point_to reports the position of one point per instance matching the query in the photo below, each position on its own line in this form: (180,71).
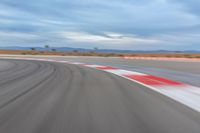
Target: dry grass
(15,52)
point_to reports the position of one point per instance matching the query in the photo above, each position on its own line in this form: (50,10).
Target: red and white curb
(183,93)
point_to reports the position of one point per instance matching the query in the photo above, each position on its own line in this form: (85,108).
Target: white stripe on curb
(124,72)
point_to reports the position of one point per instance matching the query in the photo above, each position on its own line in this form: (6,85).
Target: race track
(50,97)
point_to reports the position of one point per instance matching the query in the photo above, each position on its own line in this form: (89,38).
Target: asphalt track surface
(47,97)
(186,72)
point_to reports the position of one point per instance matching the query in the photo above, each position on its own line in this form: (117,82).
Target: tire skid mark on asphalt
(21,77)
(25,91)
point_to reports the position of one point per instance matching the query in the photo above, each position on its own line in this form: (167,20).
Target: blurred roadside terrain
(95,53)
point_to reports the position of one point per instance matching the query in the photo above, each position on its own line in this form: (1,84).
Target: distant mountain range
(70,49)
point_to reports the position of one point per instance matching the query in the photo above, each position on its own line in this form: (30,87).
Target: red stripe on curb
(153,80)
(106,68)
(166,81)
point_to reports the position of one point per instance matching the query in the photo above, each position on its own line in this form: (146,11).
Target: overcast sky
(113,24)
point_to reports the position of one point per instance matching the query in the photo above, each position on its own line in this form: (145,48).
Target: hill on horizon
(71,49)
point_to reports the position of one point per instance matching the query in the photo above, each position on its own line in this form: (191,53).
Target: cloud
(16,38)
(109,38)
(190,5)
(124,24)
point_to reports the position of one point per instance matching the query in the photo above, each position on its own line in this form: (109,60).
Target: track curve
(47,97)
